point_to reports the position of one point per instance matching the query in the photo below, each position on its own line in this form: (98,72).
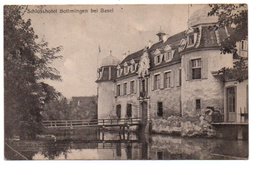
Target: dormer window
(168,55)
(158,59)
(126,68)
(133,66)
(119,71)
(191,39)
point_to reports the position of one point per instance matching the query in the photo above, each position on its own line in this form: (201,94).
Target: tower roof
(109,60)
(201,17)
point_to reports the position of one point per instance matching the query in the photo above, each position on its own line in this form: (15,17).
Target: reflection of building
(173,76)
(84,107)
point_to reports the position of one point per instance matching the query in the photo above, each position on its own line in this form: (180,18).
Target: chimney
(164,37)
(161,35)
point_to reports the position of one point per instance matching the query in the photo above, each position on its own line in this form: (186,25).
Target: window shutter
(172,78)
(177,77)
(204,69)
(161,81)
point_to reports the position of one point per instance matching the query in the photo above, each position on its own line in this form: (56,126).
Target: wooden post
(103,134)
(98,133)
(120,133)
(128,135)
(124,132)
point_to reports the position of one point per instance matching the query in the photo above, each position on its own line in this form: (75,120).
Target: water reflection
(113,147)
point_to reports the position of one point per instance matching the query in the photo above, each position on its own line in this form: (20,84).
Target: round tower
(106,75)
(200,57)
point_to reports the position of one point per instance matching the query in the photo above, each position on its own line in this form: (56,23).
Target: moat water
(115,146)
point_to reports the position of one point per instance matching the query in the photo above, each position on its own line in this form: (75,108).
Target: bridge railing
(95,122)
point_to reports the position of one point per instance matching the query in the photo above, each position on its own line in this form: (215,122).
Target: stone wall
(208,89)
(129,98)
(170,97)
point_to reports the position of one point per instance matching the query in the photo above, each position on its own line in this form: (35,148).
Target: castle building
(175,76)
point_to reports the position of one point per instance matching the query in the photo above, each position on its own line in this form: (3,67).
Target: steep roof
(173,41)
(208,38)
(135,56)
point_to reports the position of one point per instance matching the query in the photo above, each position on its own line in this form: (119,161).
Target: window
(198,104)
(157,59)
(119,71)
(124,88)
(133,67)
(129,110)
(143,88)
(132,87)
(157,81)
(167,79)
(196,68)
(126,68)
(168,56)
(118,111)
(191,40)
(231,97)
(118,90)
(160,109)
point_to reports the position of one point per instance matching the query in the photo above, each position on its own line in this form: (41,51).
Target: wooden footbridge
(99,123)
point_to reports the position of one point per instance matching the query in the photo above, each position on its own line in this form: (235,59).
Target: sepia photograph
(126,82)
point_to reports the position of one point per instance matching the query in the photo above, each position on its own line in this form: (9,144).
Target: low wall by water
(183,126)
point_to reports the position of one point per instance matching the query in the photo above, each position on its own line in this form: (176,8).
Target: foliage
(26,66)
(235,18)
(238,73)
(57,109)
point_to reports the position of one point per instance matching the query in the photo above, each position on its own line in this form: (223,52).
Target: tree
(57,109)
(27,64)
(235,18)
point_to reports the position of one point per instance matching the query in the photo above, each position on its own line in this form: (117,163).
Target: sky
(124,29)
